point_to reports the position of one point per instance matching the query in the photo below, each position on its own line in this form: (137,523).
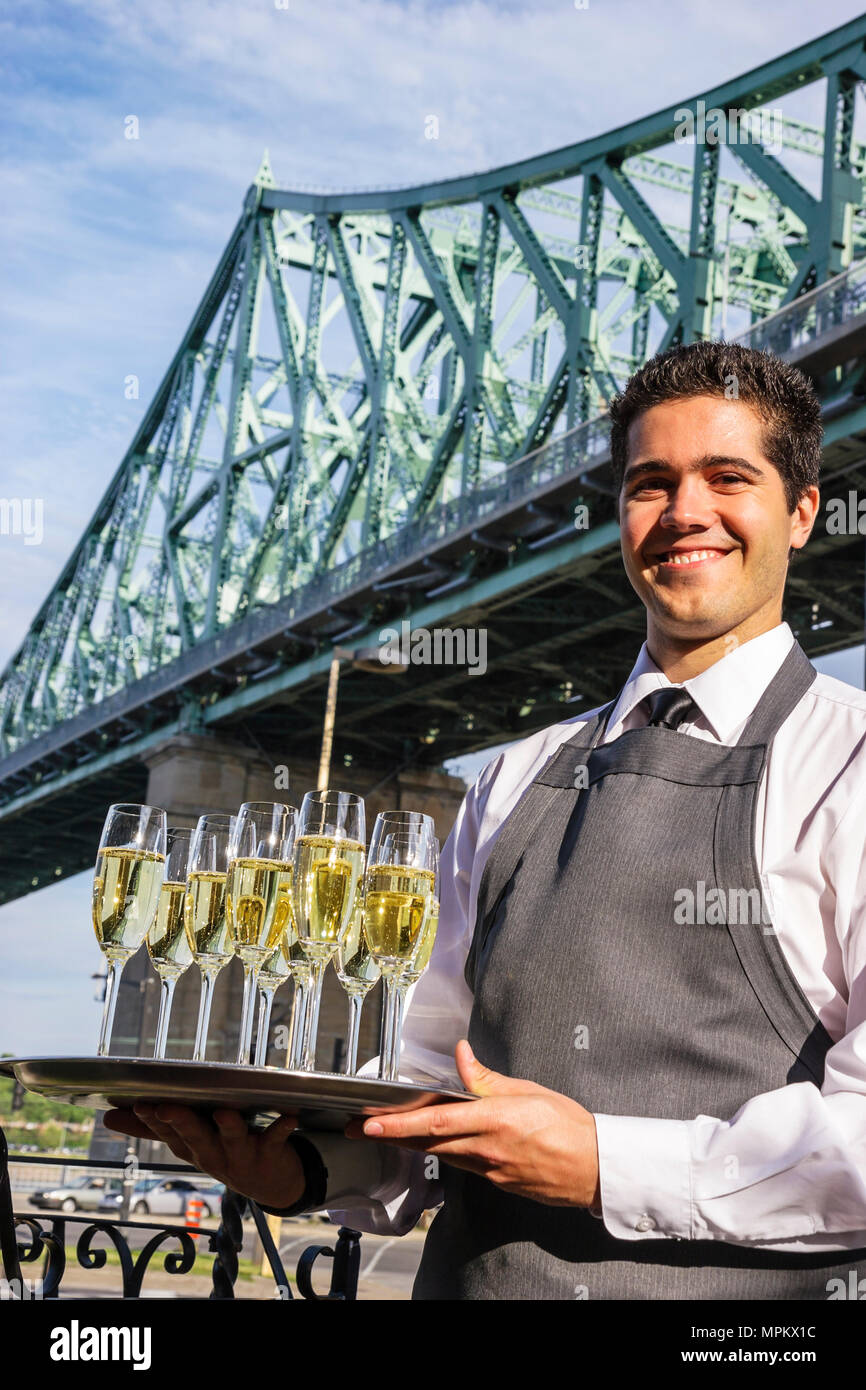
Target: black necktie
(669,707)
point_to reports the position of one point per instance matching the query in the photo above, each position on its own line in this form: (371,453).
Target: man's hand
(522,1137)
(262,1165)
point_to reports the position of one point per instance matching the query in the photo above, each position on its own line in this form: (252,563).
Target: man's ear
(808,505)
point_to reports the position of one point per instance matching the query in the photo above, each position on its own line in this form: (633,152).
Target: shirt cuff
(315,1180)
(645,1177)
(335,1169)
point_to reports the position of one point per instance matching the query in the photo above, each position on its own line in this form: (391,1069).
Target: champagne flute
(358,973)
(130,869)
(275,971)
(328,864)
(404,823)
(294,956)
(400,822)
(271,977)
(414,969)
(167,943)
(302,973)
(205,912)
(400,884)
(251,897)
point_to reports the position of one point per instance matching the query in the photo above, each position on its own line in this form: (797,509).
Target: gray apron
(579,940)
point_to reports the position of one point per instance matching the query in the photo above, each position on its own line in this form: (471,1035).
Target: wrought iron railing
(811,316)
(46,1240)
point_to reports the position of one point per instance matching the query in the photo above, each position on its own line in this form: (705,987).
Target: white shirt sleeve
(385,1189)
(788,1170)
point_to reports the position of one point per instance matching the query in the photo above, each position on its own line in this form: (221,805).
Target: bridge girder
(373,382)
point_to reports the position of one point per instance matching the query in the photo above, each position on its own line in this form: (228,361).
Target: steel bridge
(389,404)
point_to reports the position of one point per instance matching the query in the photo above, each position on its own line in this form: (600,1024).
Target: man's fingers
(234,1136)
(276,1134)
(462,1152)
(199,1134)
(158,1129)
(165,1122)
(126,1122)
(430,1121)
(482,1081)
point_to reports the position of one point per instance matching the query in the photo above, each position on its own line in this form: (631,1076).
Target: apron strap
(757,944)
(794,677)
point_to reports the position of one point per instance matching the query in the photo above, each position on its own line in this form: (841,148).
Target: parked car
(166,1197)
(82,1194)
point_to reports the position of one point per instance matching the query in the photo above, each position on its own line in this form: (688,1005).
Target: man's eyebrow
(637,470)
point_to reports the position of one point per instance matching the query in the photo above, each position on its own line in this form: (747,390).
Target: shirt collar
(726,693)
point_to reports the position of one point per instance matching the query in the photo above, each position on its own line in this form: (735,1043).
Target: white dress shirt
(788,1170)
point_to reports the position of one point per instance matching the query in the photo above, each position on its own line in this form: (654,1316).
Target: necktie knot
(669,708)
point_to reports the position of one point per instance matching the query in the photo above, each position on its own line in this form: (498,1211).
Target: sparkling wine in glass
(167,943)
(328,864)
(358,973)
(294,956)
(205,919)
(399,891)
(130,870)
(275,970)
(413,970)
(251,897)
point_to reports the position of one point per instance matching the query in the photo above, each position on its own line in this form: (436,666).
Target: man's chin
(690,622)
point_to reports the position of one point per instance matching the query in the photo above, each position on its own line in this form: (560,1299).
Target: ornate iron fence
(46,1240)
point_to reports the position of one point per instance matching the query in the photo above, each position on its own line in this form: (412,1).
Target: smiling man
(671,1104)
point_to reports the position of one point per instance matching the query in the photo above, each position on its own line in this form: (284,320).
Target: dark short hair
(783,397)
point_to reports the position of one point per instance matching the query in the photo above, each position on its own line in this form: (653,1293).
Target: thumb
(480,1080)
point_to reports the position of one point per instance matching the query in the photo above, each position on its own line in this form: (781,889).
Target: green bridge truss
(374,379)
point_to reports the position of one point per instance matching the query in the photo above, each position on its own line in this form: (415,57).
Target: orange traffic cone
(194,1209)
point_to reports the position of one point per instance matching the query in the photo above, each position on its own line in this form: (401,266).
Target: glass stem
(208,981)
(166,995)
(251,975)
(387,1026)
(298,1024)
(311,1028)
(112,989)
(393,1070)
(356,1004)
(266,1003)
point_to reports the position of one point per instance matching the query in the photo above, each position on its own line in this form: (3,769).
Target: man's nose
(689,504)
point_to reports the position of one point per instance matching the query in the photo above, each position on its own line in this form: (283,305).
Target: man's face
(705,526)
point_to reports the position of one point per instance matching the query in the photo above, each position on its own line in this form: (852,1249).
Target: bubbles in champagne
(398,900)
(284,916)
(205,918)
(125,891)
(166,941)
(251,903)
(327,871)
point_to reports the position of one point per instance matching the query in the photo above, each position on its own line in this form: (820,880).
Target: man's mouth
(682,559)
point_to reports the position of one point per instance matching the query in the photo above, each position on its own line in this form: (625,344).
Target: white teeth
(688,557)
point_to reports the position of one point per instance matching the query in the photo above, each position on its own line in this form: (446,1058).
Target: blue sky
(106,243)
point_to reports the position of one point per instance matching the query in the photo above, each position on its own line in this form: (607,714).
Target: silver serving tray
(323,1100)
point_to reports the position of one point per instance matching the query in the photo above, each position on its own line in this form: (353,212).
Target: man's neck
(680,660)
